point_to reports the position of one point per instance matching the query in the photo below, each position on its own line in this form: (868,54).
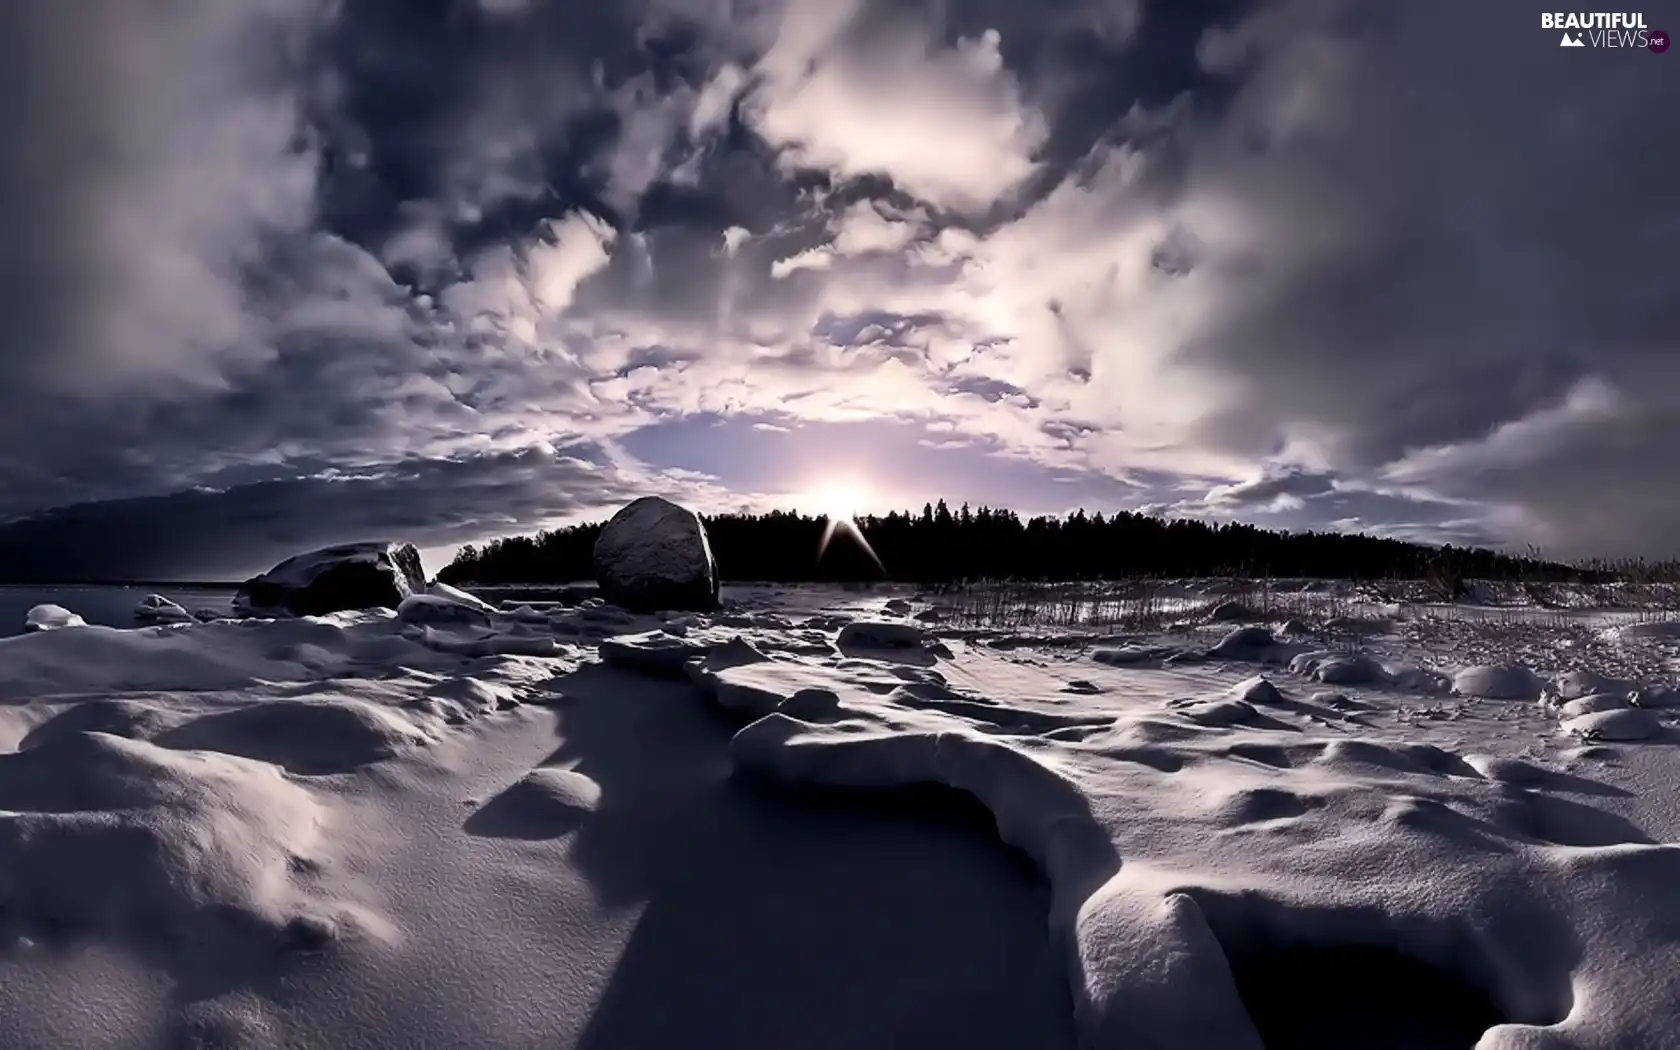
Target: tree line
(941,545)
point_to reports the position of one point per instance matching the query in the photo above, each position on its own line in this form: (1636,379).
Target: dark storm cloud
(1257,259)
(240,530)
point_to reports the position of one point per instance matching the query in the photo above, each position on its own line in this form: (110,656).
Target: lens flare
(839,505)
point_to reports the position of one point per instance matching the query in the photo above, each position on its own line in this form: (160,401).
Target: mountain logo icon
(1571,40)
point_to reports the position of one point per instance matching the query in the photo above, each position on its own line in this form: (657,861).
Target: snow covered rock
(655,555)
(883,634)
(435,608)
(439,589)
(155,608)
(335,579)
(49,617)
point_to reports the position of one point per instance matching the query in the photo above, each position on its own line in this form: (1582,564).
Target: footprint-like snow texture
(328,734)
(107,836)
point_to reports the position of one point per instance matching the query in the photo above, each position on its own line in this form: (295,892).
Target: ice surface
(463,825)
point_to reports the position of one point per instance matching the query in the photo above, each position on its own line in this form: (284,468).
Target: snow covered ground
(783,825)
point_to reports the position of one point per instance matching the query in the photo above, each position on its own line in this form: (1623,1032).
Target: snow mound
(49,617)
(436,609)
(1228,861)
(120,838)
(545,803)
(653,651)
(325,734)
(1340,668)
(1592,704)
(227,654)
(1245,643)
(484,642)
(1627,725)
(155,608)
(1132,655)
(1497,682)
(130,719)
(881,634)
(1582,682)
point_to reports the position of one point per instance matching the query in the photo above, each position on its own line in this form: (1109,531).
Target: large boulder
(654,555)
(334,579)
(155,608)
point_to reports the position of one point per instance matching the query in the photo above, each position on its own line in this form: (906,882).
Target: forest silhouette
(940,545)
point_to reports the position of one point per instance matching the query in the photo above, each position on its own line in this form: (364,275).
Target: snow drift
(1246,841)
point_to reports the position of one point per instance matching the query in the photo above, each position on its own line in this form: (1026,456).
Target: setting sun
(841,502)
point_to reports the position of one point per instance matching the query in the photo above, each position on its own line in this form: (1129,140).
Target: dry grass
(1136,605)
(1146,605)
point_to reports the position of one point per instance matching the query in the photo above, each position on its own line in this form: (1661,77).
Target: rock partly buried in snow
(335,579)
(49,617)
(872,634)
(655,555)
(444,608)
(155,608)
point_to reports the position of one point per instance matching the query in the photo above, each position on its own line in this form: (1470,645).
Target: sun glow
(840,505)
(837,502)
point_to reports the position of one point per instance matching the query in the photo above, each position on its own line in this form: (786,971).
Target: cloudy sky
(279,273)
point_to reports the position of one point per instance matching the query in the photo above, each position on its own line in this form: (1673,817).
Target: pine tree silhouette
(937,546)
